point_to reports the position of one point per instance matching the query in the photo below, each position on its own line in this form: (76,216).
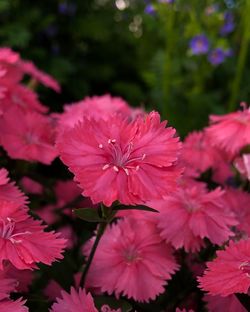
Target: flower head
(224,131)
(119,160)
(192,214)
(131,260)
(217,56)
(22,239)
(29,136)
(228,25)
(75,301)
(229,273)
(199,44)
(97,107)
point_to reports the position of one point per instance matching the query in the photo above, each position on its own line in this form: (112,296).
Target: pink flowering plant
(104,208)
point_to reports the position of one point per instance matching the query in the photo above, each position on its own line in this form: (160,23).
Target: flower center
(131,255)
(121,158)
(6,228)
(245,268)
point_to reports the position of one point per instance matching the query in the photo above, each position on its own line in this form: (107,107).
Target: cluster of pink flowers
(120,158)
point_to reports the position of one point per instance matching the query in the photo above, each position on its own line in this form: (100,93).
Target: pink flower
(7,286)
(242,164)
(28,136)
(11,306)
(239,202)
(198,152)
(23,278)
(29,68)
(229,272)
(75,301)
(31,186)
(117,160)
(13,69)
(131,260)
(218,304)
(23,240)
(192,214)
(97,107)
(21,97)
(230,132)
(8,190)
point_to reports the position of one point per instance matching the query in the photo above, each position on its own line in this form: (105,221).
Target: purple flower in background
(228,25)
(199,44)
(166,1)
(217,56)
(149,9)
(67,8)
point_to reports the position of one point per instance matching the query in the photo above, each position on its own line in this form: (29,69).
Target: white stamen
(115,168)
(105,167)
(126,171)
(100,146)
(113,141)
(137,168)
(143,156)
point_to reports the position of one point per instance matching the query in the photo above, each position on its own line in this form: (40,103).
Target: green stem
(100,231)
(242,57)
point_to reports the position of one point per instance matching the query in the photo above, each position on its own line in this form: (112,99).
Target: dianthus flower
(78,302)
(14,68)
(239,202)
(22,97)
(29,136)
(230,132)
(29,68)
(10,192)
(199,153)
(23,240)
(22,278)
(229,273)
(119,160)
(218,304)
(192,214)
(7,286)
(131,260)
(97,107)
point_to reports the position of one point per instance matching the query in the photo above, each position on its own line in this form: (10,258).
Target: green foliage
(97,48)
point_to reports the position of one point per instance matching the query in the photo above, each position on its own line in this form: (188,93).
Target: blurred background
(185,58)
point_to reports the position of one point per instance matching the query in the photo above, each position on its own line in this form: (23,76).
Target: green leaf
(88,214)
(138,207)
(113,303)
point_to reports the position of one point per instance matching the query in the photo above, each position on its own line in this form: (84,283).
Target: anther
(143,156)
(105,167)
(115,168)
(126,171)
(100,146)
